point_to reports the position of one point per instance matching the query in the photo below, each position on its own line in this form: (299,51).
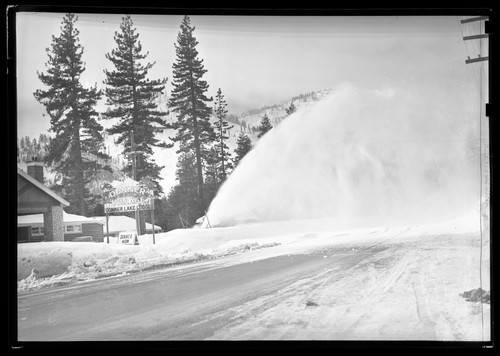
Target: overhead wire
(476,26)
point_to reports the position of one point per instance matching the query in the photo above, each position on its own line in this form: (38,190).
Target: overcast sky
(262,60)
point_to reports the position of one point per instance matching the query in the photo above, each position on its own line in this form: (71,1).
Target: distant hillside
(276,112)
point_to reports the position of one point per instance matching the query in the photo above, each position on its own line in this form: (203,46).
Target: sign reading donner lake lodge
(128,198)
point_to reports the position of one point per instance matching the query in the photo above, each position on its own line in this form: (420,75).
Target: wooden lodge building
(76,228)
(40,214)
(33,197)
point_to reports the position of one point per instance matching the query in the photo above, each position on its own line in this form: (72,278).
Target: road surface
(176,304)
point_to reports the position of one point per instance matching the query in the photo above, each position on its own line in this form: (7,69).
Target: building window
(73,228)
(36,231)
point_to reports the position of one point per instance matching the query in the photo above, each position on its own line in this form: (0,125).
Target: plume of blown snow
(386,154)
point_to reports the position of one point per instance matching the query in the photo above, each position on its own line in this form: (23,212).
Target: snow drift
(392,156)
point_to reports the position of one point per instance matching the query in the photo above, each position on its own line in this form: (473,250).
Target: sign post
(107,228)
(153,217)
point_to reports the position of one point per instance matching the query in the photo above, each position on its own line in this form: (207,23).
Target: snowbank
(45,264)
(55,263)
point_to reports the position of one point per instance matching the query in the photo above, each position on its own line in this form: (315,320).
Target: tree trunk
(139,215)
(222,157)
(80,184)
(199,166)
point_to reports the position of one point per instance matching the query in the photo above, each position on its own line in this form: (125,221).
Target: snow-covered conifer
(73,118)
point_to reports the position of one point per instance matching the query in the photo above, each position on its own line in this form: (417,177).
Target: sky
(264,60)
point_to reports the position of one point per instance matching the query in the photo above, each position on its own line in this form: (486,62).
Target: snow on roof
(67,218)
(42,187)
(118,223)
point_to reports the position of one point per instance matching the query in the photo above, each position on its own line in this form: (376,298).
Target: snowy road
(406,290)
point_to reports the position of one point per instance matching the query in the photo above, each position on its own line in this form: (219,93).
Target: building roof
(119,223)
(42,187)
(67,218)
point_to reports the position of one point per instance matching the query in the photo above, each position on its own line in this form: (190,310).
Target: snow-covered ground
(408,291)
(414,282)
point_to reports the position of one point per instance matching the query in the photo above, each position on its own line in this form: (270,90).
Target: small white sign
(128,238)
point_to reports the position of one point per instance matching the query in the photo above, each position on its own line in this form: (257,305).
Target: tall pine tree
(76,150)
(188,100)
(131,96)
(265,126)
(221,135)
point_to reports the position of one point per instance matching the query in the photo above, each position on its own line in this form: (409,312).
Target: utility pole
(482,77)
(479,58)
(479,66)
(484,164)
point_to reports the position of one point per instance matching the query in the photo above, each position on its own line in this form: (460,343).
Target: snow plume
(391,155)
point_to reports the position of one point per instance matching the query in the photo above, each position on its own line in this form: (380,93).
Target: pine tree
(221,135)
(131,97)
(188,100)
(244,145)
(76,151)
(212,172)
(212,175)
(182,202)
(265,126)
(290,110)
